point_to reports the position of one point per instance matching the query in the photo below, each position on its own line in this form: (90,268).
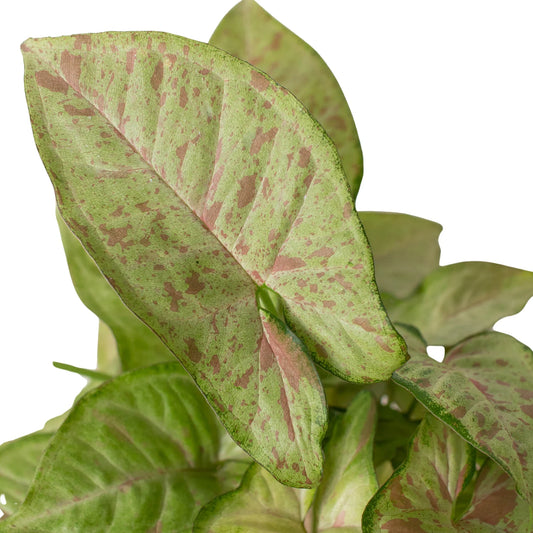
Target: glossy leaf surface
(252,34)
(422,495)
(483,391)
(261,504)
(192,179)
(463,299)
(137,344)
(18,462)
(405,249)
(140,453)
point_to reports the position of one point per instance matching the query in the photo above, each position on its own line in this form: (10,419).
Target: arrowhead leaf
(460,300)
(262,505)
(483,391)
(405,250)
(422,494)
(192,179)
(252,34)
(140,453)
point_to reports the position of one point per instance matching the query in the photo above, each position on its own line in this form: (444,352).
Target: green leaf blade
(463,299)
(18,462)
(483,391)
(140,452)
(405,249)
(187,207)
(250,33)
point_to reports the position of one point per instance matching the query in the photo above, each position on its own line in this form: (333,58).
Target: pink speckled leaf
(262,505)
(252,34)
(483,390)
(427,493)
(192,180)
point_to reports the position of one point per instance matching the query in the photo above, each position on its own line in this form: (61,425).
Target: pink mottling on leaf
(76,112)
(194,284)
(192,352)
(364,324)
(329,304)
(71,68)
(348,210)
(284,403)
(82,39)
(117,235)
(247,190)
(176,296)
(130,60)
(118,211)
(495,506)
(527,409)
(259,81)
(215,364)
(266,355)
(459,412)
(339,521)
(323,252)
(184,98)
(262,138)
(305,156)
(157,76)
(211,214)
(50,82)
(244,380)
(398,525)
(284,263)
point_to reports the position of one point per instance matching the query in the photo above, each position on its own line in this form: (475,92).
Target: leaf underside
(191,179)
(140,453)
(252,34)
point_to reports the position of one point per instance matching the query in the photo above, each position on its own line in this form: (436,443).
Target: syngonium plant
(250,376)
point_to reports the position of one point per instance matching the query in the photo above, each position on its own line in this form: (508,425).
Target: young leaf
(261,504)
(137,345)
(18,461)
(460,300)
(140,453)
(192,179)
(252,34)
(405,249)
(422,494)
(483,391)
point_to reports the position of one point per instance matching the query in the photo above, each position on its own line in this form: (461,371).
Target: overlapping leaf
(137,345)
(405,249)
(261,504)
(423,495)
(192,179)
(140,453)
(459,300)
(483,391)
(18,461)
(252,34)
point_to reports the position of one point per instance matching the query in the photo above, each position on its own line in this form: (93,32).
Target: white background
(442,96)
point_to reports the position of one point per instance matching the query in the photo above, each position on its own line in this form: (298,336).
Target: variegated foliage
(194,181)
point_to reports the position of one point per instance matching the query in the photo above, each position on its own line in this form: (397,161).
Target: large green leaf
(18,461)
(425,493)
(140,453)
(261,504)
(252,34)
(405,249)
(192,180)
(459,300)
(483,391)
(137,345)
